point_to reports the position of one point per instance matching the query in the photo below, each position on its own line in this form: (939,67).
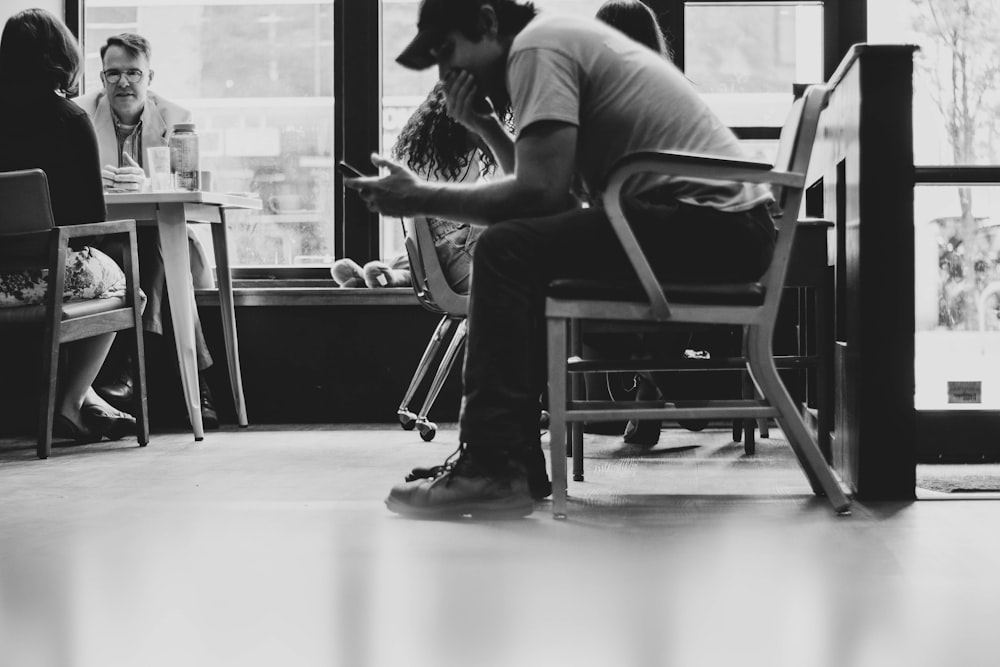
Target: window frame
(358,112)
(845,23)
(357,126)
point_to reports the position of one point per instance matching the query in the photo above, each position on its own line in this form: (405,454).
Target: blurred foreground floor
(272,546)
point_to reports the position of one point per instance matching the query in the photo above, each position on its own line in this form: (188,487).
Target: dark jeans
(505,359)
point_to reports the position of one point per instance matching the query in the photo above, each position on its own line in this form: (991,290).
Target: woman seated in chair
(439,148)
(39,128)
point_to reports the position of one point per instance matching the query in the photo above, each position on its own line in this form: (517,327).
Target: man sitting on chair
(128,119)
(583,96)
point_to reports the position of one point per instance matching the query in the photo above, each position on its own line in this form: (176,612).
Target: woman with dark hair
(637,20)
(40,128)
(439,148)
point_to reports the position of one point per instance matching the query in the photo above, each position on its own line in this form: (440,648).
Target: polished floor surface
(272,546)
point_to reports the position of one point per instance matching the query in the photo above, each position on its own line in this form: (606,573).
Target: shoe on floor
(108,422)
(118,392)
(209,417)
(539,485)
(64,429)
(645,432)
(465,486)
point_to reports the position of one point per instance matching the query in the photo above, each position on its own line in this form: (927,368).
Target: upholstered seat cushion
(728,294)
(71,310)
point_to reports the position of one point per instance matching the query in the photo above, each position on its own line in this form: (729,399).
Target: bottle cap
(184,127)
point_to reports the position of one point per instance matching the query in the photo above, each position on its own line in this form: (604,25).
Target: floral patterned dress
(90,274)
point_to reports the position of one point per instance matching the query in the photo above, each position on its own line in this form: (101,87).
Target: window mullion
(357,120)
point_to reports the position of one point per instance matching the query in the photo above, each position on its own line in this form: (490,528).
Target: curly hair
(434,144)
(38,51)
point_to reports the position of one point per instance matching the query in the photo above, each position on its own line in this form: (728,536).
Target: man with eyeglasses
(128,119)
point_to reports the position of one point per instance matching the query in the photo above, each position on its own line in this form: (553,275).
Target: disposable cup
(158,161)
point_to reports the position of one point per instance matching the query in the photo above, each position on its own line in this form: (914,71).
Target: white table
(170,212)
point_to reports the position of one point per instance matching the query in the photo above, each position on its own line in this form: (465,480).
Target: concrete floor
(271,546)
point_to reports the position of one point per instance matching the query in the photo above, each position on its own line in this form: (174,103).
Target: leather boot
(647,431)
(209,417)
(119,389)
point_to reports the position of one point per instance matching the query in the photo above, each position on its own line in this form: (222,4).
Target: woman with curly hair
(39,128)
(436,146)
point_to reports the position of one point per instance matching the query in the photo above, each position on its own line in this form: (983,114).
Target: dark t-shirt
(50,133)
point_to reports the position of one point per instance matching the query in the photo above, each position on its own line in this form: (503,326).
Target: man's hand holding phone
(398,193)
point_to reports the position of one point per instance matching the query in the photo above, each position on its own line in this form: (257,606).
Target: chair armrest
(815,222)
(708,167)
(97,228)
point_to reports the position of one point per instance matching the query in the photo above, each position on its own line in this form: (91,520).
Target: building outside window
(956,108)
(745,57)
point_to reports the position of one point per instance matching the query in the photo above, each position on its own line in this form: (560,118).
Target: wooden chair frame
(565,309)
(27,214)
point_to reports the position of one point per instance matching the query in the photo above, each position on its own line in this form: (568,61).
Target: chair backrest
(794,152)
(429,281)
(24,202)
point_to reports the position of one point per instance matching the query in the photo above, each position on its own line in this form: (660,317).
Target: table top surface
(184,197)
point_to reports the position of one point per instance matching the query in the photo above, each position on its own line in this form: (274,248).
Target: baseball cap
(435,19)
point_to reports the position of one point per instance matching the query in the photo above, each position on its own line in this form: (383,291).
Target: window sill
(311,296)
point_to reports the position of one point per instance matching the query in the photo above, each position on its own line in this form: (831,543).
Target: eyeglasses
(131,75)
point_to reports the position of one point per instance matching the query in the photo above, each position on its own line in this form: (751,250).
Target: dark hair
(134,45)
(637,20)
(512,16)
(37,50)
(434,144)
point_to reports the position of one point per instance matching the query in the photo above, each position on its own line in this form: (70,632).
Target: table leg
(172,227)
(228,312)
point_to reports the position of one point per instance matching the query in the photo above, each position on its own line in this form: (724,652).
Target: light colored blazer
(158,118)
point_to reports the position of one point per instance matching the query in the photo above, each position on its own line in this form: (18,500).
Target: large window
(258,77)
(956,108)
(745,59)
(262,76)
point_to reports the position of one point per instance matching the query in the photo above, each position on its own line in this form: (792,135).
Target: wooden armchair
(753,306)
(26,217)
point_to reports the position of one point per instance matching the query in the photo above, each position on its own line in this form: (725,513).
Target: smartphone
(349,171)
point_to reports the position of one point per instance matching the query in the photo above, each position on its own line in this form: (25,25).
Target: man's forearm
(486,203)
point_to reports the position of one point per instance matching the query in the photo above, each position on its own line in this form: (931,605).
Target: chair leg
(227,310)
(447,361)
(577,391)
(406,418)
(821,476)
(139,375)
(50,372)
(747,426)
(557,347)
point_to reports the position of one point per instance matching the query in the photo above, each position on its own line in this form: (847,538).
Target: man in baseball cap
(583,95)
